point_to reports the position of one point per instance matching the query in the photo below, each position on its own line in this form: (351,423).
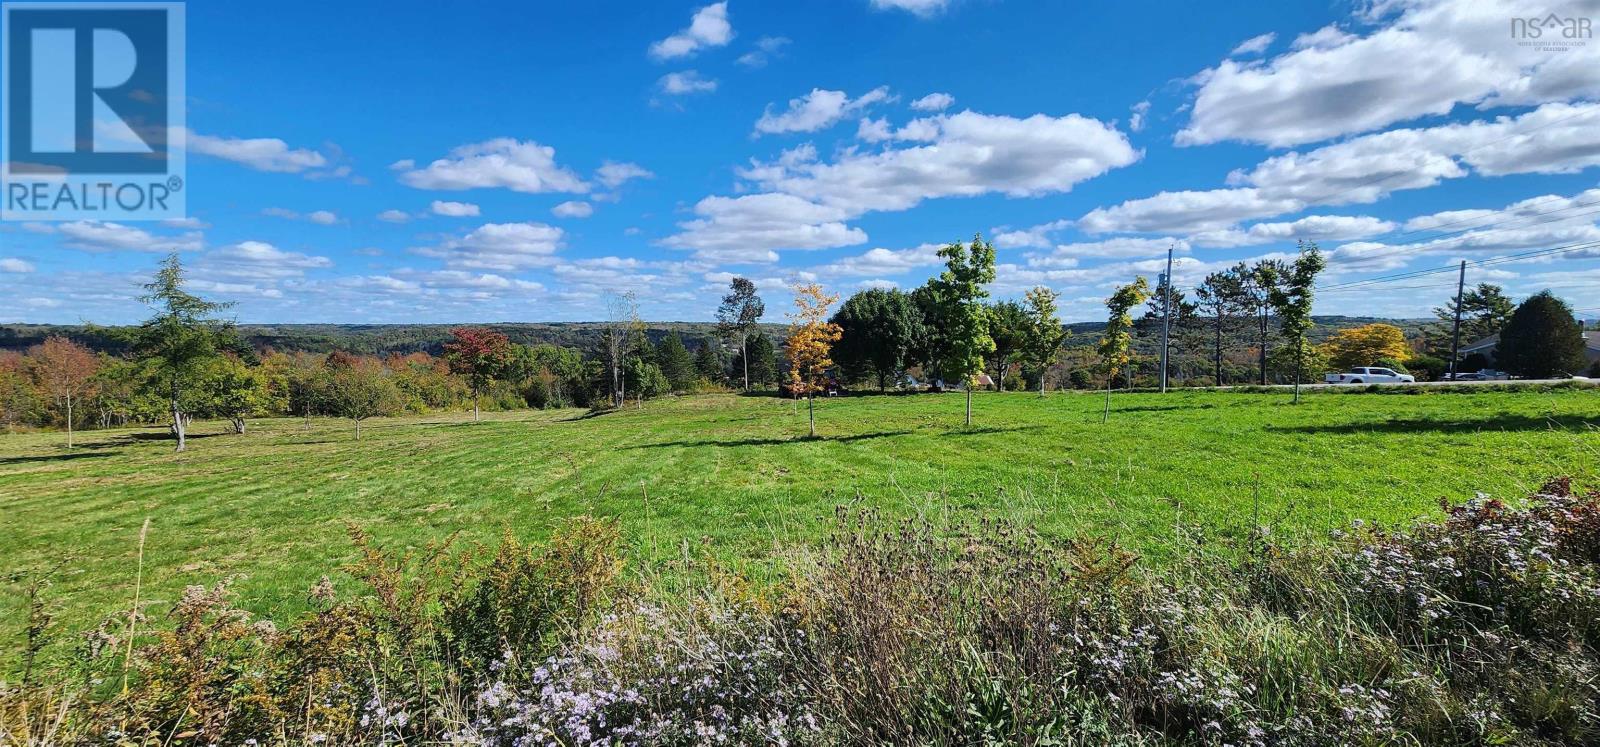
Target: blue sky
(478,162)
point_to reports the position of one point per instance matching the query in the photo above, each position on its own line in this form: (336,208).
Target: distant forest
(384,339)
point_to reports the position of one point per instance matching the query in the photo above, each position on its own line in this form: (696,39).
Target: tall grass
(1482,627)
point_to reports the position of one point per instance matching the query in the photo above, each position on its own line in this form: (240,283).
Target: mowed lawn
(734,476)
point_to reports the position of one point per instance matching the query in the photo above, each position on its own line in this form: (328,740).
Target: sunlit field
(734,476)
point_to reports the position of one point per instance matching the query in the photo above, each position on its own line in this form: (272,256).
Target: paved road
(1510,382)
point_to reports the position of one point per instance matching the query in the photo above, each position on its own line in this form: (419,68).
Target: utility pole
(1455,332)
(1166,317)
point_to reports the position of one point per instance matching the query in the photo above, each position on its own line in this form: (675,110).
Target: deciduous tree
(1008,328)
(1365,346)
(360,391)
(810,345)
(480,355)
(232,390)
(66,372)
(1116,343)
(739,315)
(622,331)
(962,318)
(1042,343)
(1292,295)
(878,326)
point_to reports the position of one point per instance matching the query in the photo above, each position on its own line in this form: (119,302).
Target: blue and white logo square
(91,111)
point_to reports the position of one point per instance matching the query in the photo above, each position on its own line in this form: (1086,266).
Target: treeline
(375,339)
(185,363)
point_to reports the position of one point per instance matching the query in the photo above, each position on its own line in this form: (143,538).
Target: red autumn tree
(65,370)
(480,355)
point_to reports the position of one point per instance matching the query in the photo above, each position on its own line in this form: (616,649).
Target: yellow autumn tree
(1365,346)
(810,344)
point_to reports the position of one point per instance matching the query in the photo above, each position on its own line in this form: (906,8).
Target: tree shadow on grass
(1452,425)
(1161,408)
(990,429)
(773,441)
(166,436)
(56,457)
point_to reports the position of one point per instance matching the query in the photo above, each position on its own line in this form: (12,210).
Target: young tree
(360,391)
(810,345)
(1365,346)
(65,371)
(480,355)
(1117,341)
(740,315)
(877,329)
(1292,295)
(179,339)
(958,295)
(708,363)
(1221,295)
(1044,333)
(1542,339)
(645,379)
(623,329)
(1008,328)
(675,362)
(232,390)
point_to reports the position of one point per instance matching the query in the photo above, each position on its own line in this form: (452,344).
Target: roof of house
(1591,340)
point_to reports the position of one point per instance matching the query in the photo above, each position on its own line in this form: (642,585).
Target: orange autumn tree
(1368,345)
(66,371)
(810,344)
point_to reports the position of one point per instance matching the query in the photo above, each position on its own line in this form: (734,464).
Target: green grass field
(736,474)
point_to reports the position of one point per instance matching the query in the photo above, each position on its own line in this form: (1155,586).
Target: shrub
(1482,627)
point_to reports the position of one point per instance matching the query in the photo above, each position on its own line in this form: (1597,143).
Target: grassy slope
(272,505)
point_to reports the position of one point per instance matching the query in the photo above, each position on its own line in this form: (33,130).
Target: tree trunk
(811,412)
(969,402)
(1106,413)
(358,430)
(179,426)
(474,405)
(744,356)
(1218,351)
(238,426)
(1264,320)
(69,421)
(1041,382)
(1299,355)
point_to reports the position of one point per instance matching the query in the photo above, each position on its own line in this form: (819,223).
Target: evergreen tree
(1485,310)
(182,337)
(708,363)
(1542,339)
(675,362)
(763,359)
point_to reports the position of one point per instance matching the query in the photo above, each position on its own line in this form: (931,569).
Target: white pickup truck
(1366,375)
